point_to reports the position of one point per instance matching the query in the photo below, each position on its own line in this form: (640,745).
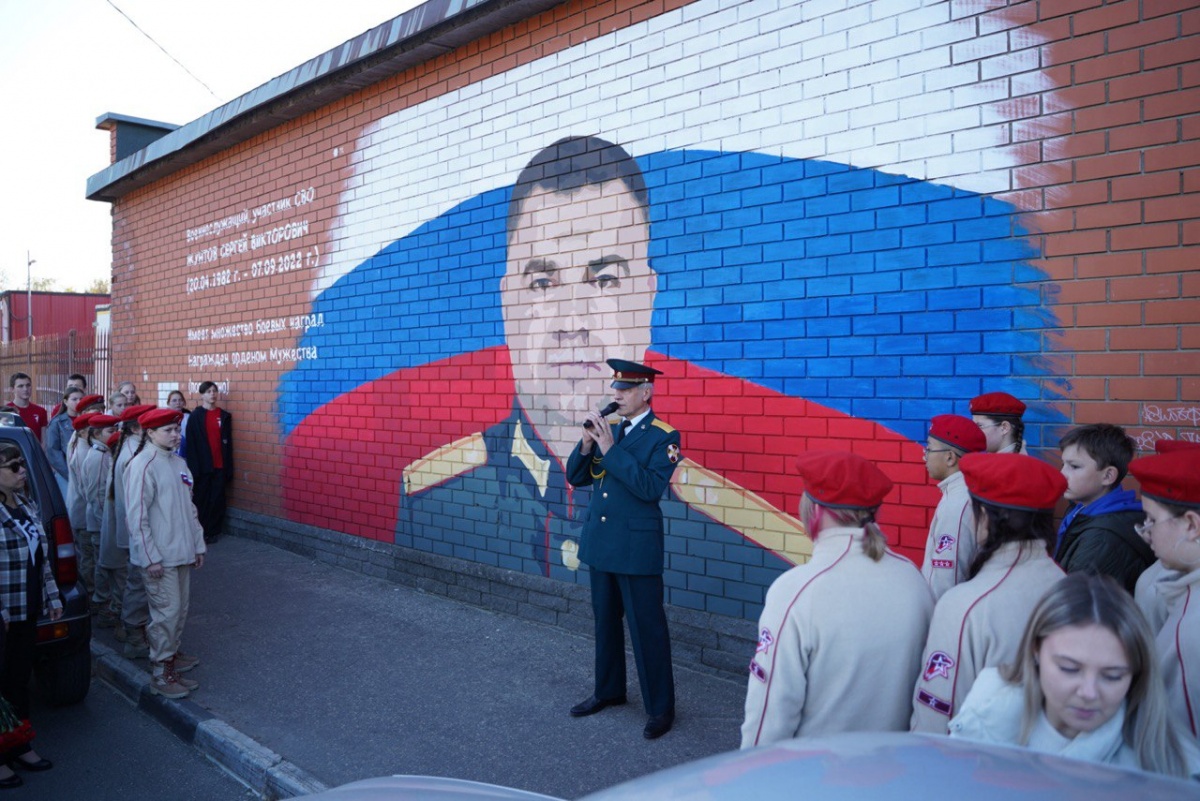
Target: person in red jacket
(209,451)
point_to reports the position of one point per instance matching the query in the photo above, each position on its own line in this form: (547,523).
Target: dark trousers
(19,642)
(638,599)
(208,494)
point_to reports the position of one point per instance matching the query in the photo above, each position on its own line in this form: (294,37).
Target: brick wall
(860,215)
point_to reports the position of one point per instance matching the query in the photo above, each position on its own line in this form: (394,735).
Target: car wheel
(65,679)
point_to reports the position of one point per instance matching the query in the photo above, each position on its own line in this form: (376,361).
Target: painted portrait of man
(578,288)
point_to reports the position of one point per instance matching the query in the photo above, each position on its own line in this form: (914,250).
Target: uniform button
(604,495)
(603,519)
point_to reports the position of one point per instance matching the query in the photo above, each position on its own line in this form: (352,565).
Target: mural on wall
(805,277)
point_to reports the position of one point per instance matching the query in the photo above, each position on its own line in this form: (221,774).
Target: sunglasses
(16,466)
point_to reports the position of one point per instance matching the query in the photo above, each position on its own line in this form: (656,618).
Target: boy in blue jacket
(1097,535)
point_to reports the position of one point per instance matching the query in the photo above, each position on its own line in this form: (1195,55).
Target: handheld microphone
(605,412)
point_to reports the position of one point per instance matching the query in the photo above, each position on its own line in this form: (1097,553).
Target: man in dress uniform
(629,468)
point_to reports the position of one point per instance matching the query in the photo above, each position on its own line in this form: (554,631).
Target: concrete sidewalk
(311,675)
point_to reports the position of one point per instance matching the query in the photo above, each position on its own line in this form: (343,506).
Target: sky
(65,63)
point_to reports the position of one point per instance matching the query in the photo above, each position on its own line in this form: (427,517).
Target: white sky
(63,63)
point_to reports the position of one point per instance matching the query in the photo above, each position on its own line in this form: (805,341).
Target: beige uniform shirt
(951,545)
(839,644)
(1178,646)
(977,625)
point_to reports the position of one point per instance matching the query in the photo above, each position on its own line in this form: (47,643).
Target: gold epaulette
(663,424)
(445,463)
(741,510)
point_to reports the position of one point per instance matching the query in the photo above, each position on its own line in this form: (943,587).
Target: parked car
(63,658)
(884,766)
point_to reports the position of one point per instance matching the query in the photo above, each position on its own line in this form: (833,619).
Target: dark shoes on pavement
(40,765)
(593,705)
(658,725)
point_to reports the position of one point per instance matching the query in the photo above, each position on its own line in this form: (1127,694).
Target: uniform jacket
(120,510)
(623,524)
(199,455)
(977,625)
(163,527)
(57,436)
(76,500)
(94,471)
(1149,598)
(992,713)
(14,565)
(1178,646)
(1100,538)
(827,625)
(951,545)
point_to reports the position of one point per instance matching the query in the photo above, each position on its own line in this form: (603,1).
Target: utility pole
(29,262)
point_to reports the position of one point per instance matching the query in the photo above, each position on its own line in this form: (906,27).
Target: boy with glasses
(951,545)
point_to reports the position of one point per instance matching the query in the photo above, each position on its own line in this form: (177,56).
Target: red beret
(102,420)
(112,441)
(159,418)
(1170,477)
(958,432)
(81,421)
(134,412)
(1012,480)
(1175,445)
(842,480)
(997,403)
(89,400)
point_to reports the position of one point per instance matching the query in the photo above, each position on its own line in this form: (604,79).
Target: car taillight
(66,570)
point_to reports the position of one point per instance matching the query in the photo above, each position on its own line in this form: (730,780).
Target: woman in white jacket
(166,541)
(1085,684)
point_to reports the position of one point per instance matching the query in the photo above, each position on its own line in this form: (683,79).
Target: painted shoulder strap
(741,510)
(445,463)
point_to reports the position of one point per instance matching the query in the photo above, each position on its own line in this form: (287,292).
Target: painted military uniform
(511,487)
(622,544)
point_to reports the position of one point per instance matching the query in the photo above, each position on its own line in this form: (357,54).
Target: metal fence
(51,358)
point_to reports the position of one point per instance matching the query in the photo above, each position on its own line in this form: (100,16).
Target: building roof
(418,35)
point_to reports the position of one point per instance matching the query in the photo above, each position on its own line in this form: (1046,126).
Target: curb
(262,770)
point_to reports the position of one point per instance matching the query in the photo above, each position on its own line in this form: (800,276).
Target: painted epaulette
(445,463)
(741,510)
(663,424)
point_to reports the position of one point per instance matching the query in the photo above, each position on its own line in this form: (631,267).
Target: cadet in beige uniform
(1171,497)
(998,414)
(978,624)
(854,609)
(951,545)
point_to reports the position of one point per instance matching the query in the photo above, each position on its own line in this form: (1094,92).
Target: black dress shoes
(36,767)
(11,782)
(658,725)
(593,705)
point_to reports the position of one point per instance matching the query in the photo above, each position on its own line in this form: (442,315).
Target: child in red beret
(92,472)
(951,543)
(855,606)
(77,449)
(1171,497)
(166,542)
(978,624)
(1000,416)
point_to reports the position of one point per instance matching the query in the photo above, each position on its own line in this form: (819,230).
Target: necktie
(625,426)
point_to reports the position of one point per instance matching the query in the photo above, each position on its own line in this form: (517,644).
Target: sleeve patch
(939,664)
(933,702)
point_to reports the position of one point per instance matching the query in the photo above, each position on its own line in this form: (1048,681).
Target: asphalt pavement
(314,676)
